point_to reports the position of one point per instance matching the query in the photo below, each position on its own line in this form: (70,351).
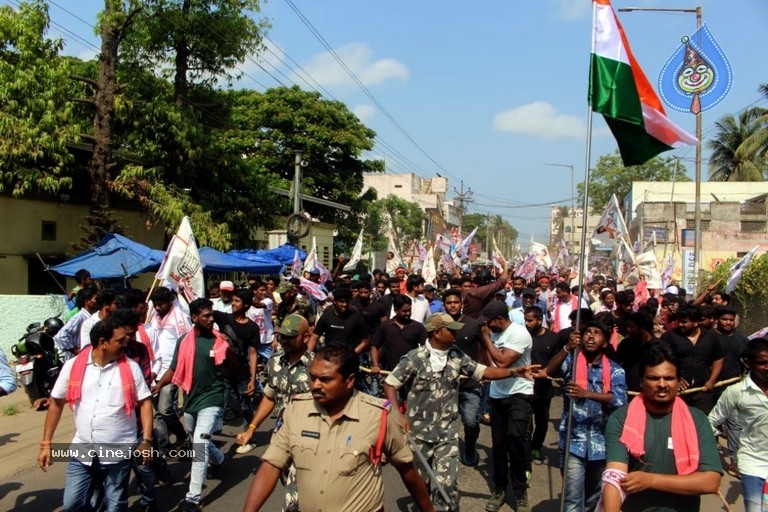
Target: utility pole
(462,198)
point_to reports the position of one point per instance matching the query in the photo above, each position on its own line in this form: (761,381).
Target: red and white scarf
(75,385)
(185,360)
(574,305)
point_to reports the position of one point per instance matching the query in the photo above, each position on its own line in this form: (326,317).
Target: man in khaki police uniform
(329,435)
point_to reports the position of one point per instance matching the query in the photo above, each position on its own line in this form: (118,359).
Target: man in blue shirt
(597,387)
(435,304)
(7,378)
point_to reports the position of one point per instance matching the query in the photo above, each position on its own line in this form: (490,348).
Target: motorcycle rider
(68,338)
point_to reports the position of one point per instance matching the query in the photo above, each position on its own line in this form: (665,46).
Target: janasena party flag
(620,91)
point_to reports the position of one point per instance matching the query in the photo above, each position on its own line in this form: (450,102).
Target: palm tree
(757,143)
(558,222)
(725,163)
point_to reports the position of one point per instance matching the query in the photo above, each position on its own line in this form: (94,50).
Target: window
(48,231)
(398,186)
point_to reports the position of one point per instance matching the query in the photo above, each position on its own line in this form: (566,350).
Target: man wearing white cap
(224,302)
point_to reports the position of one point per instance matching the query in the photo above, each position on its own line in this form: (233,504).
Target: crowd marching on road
(386,370)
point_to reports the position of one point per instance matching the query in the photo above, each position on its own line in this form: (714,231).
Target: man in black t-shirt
(469,339)
(245,338)
(734,345)
(396,337)
(700,355)
(631,349)
(372,311)
(340,324)
(545,344)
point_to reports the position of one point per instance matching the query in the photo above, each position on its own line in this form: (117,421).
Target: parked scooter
(38,362)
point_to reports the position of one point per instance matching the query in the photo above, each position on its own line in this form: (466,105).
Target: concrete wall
(21,310)
(22,234)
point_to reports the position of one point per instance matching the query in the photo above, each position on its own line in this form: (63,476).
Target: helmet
(53,326)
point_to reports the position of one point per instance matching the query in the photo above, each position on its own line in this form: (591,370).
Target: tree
(406,218)
(726,163)
(559,221)
(198,45)
(496,226)
(36,114)
(609,176)
(267,128)
(755,146)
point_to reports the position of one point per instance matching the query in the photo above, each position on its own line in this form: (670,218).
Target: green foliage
(267,128)
(504,232)
(609,176)
(11,410)
(407,220)
(750,297)
(213,38)
(755,146)
(726,163)
(36,116)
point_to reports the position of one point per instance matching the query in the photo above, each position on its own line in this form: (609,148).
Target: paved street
(25,488)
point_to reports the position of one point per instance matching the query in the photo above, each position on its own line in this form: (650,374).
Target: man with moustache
(341,324)
(104,388)
(332,436)
(470,340)
(700,355)
(734,345)
(660,453)
(288,376)
(201,365)
(396,337)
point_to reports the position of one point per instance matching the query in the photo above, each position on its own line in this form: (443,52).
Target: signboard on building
(661,234)
(689,271)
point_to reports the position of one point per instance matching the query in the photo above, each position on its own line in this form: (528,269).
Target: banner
(357,253)
(181,267)
(626,261)
(527,269)
(738,268)
(669,269)
(541,253)
(563,256)
(462,248)
(296,265)
(428,271)
(611,226)
(309,263)
(649,268)
(395,260)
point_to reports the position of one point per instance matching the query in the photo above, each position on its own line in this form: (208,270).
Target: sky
(487,92)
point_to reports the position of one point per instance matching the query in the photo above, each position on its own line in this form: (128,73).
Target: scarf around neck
(437,358)
(75,385)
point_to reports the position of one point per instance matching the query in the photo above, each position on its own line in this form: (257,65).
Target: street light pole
(697,215)
(573,200)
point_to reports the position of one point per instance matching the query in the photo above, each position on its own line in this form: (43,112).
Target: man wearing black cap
(509,346)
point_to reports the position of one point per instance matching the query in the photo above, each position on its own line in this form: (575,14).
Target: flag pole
(582,257)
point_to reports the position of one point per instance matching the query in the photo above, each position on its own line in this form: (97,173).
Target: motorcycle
(38,361)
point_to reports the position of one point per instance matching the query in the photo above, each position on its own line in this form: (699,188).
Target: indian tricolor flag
(619,90)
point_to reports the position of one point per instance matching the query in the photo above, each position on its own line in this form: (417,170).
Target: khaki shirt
(333,471)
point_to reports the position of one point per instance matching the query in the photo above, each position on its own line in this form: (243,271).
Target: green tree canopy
(609,176)
(406,217)
(726,163)
(36,113)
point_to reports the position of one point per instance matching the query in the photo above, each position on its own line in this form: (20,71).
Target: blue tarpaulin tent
(115,256)
(215,261)
(283,254)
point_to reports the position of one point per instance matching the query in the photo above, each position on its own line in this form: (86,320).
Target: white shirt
(168,331)
(263,318)
(85,329)
(419,309)
(219,305)
(517,338)
(747,402)
(152,333)
(565,310)
(100,416)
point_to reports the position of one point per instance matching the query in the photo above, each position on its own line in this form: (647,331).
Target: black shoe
(190,506)
(163,478)
(214,470)
(497,500)
(470,458)
(149,508)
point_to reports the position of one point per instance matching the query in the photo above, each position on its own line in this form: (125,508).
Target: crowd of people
(378,368)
